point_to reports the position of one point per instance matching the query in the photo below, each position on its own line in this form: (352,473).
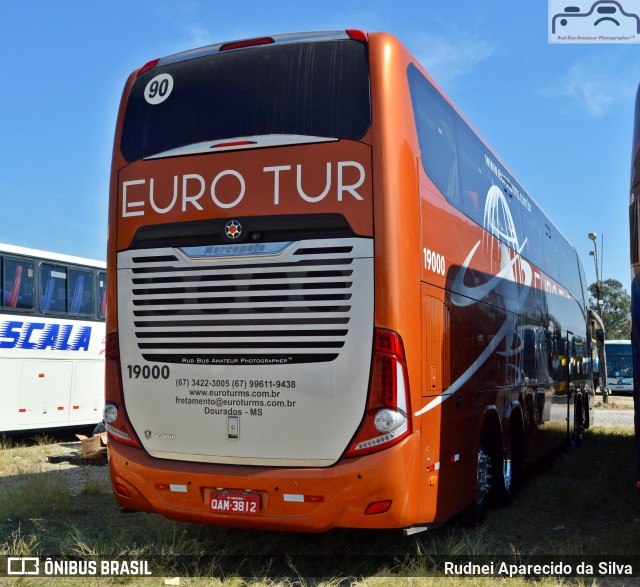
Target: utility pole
(602,359)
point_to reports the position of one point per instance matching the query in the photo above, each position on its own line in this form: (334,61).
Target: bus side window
(435,125)
(53,288)
(533,247)
(550,253)
(18,284)
(474,180)
(80,292)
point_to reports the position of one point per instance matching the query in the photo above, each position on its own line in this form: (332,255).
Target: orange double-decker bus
(330,303)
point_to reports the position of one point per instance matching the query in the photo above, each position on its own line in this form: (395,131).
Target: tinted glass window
(436,135)
(618,349)
(533,245)
(53,288)
(80,292)
(463,168)
(319,89)
(619,365)
(550,266)
(475,180)
(17,286)
(472,178)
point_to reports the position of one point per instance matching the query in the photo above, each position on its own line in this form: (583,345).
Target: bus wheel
(585,411)
(474,514)
(511,461)
(485,474)
(578,424)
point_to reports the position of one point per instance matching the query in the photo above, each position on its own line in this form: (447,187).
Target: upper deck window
(472,178)
(318,89)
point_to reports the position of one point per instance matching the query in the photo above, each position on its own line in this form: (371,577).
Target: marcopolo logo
(589,21)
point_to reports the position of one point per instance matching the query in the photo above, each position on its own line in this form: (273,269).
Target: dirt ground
(28,459)
(623,402)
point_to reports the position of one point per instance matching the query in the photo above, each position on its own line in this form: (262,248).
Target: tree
(616,309)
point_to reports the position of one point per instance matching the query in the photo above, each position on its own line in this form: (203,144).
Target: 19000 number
(433,261)
(148,372)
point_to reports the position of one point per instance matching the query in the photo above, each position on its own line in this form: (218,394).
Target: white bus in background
(52,310)
(619,366)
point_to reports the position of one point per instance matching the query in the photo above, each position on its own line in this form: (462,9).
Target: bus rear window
(318,89)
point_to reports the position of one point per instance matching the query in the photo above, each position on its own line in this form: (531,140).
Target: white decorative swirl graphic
(499,223)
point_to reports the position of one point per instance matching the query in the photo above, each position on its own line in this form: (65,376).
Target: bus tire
(578,422)
(488,466)
(509,463)
(585,410)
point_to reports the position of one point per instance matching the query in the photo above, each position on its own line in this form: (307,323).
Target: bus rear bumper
(304,500)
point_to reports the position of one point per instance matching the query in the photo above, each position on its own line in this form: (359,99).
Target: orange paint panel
(365,480)
(332,177)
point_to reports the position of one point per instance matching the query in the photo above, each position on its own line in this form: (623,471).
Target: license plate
(235,503)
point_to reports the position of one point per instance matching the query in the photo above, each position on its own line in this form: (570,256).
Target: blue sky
(560,116)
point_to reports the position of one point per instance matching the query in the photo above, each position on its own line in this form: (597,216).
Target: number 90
(158,89)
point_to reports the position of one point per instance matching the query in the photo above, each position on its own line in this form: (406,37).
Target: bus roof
(47,255)
(244,43)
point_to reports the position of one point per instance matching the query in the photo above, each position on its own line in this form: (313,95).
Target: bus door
(571,380)
(549,406)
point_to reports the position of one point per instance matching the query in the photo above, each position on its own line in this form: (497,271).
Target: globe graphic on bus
(498,220)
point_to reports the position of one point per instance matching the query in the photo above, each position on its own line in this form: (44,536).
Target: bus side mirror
(600,339)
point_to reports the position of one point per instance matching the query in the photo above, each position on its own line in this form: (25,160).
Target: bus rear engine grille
(296,308)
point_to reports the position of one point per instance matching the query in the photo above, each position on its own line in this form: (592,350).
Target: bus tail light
(233,144)
(378,507)
(120,489)
(115,417)
(247,43)
(147,66)
(387,418)
(357,35)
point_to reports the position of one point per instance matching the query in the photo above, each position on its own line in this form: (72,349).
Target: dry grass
(573,505)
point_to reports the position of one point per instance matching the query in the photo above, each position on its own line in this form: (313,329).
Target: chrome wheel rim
(507,472)
(484,475)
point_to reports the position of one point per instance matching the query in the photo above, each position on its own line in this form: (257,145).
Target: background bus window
(102,295)
(53,288)
(619,358)
(80,292)
(17,284)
